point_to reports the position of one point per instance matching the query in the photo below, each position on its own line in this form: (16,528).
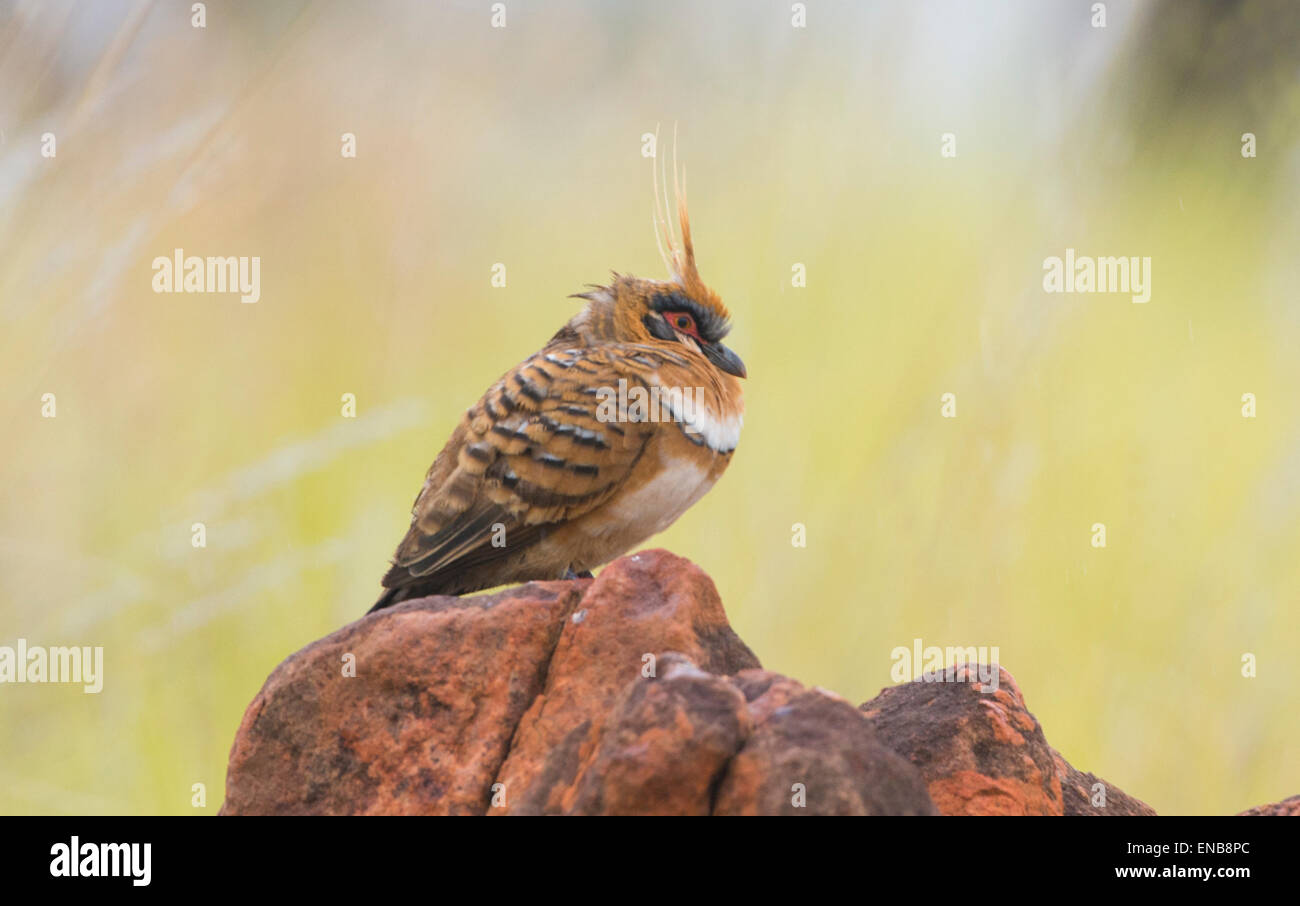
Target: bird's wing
(532,452)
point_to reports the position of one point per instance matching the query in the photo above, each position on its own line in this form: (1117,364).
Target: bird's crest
(679,254)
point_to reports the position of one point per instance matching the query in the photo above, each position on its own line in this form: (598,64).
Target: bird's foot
(570,574)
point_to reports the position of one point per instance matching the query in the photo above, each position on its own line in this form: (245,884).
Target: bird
(624,419)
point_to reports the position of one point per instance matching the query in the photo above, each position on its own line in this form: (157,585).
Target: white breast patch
(721,434)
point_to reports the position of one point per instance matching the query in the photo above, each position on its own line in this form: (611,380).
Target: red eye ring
(683,321)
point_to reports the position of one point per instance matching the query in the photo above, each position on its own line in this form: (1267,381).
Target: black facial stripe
(712,326)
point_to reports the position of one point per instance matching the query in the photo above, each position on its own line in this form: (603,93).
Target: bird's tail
(390,597)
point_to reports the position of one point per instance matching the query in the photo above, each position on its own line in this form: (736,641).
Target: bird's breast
(661,493)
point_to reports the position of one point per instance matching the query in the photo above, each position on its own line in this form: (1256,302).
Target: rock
(980,750)
(624,694)
(1286,808)
(423,726)
(1088,794)
(638,608)
(816,747)
(665,745)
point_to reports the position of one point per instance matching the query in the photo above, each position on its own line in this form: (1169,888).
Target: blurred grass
(522,146)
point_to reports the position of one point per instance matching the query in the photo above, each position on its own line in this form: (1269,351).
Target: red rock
(626,694)
(665,746)
(1088,794)
(422,728)
(814,748)
(1286,808)
(981,751)
(648,604)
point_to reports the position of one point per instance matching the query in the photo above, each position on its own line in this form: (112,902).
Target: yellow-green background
(522,145)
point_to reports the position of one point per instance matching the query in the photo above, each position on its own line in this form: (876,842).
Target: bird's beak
(725,359)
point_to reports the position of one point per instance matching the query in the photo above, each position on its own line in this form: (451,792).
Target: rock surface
(624,694)
(1289,807)
(982,753)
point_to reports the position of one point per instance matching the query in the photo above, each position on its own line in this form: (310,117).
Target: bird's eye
(682,321)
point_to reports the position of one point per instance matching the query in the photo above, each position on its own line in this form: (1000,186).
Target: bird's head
(681,311)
